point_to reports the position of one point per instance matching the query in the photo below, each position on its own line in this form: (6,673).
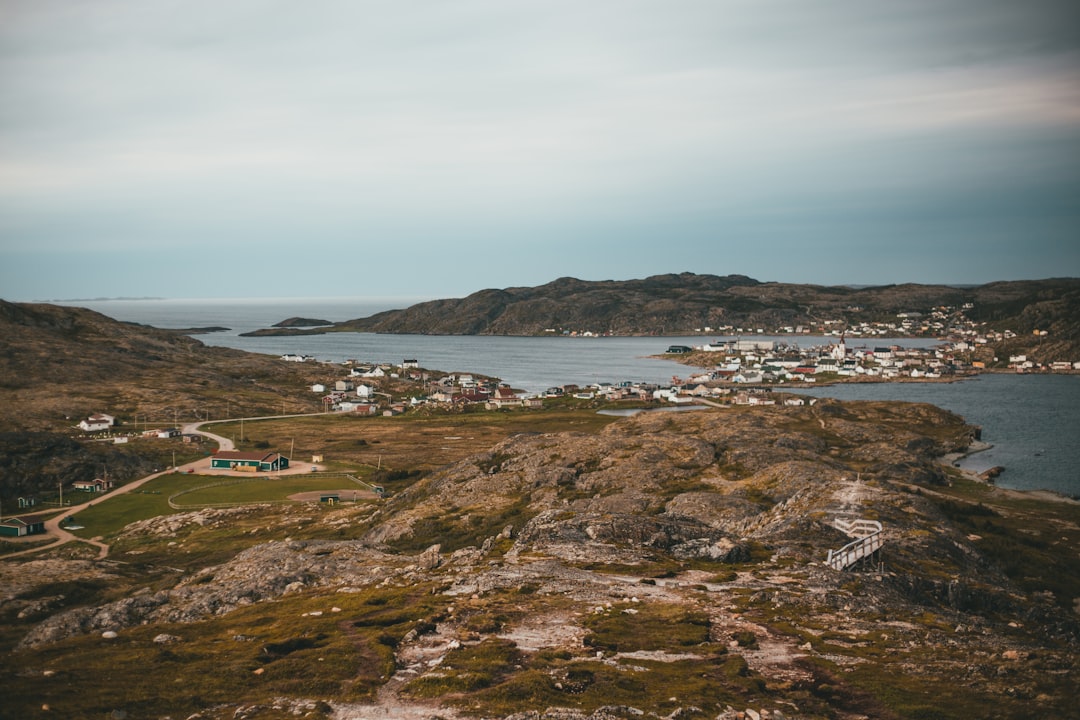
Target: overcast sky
(412,148)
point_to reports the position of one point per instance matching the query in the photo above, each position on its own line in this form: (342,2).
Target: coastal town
(744,367)
(734,370)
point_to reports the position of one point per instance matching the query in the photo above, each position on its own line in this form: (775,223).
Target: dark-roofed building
(17,527)
(258,461)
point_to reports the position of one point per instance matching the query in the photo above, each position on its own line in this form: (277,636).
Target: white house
(364,391)
(318,387)
(97,423)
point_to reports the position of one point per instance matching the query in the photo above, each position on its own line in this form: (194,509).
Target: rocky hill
(687,302)
(668,566)
(60,364)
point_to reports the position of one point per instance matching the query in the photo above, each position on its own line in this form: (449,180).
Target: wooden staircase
(868,540)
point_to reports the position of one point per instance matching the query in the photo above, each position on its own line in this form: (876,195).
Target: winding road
(61,536)
(202,465)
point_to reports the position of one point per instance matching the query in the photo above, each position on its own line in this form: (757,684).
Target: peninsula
(1037,317)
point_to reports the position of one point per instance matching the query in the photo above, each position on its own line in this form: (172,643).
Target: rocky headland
(1042,313)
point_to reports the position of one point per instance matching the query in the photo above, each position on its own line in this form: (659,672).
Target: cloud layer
(435,147)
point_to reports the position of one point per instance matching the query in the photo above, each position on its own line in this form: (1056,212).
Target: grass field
(152,499)
(109,517)
(408,442)
(263,489)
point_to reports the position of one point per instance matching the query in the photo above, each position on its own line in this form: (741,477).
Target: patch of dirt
(548,630)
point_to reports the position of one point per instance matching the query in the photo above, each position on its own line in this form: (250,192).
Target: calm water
(1033,421)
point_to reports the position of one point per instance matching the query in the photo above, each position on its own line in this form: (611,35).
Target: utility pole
(61,486)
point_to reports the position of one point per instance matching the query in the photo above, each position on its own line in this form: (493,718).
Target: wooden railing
(868,540)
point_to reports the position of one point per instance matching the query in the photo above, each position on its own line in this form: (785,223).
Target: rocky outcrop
(261,573)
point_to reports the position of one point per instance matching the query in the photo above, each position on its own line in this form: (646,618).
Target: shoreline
(952,460)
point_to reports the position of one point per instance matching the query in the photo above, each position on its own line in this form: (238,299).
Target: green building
(249,461)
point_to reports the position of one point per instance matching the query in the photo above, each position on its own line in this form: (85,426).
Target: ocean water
(1032,421)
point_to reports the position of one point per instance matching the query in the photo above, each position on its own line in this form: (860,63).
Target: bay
(1032,421)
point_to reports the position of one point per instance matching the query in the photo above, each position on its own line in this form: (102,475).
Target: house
(410,363)
(97,422)
(192,438)
(825,365)
(318,387)
(361,408)
(343,385)
(504,397)
(249,461)
(679,349)
(168,433)
(95,485)
(17,527)
(364,391)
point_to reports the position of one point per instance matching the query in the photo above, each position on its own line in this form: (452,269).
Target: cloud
(250,121)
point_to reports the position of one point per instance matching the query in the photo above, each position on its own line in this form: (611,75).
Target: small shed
(330,498)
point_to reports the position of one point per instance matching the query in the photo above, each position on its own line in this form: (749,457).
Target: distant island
(301,322)
(1042,317)
(98,299)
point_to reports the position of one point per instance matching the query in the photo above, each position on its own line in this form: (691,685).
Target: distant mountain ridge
(685,303)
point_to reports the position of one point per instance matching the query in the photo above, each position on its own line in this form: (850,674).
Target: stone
(430,558)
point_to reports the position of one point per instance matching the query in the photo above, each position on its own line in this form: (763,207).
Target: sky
(262,148)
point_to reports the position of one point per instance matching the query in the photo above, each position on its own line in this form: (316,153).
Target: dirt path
(61,536)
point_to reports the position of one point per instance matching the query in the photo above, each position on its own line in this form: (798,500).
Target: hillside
(60,364)
(686,303)
(665,565)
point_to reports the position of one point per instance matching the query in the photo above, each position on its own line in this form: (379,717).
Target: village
(744,370)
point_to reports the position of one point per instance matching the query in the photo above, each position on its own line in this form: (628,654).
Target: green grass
(107,519)
(648,626)
(264,489)
(266,650)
